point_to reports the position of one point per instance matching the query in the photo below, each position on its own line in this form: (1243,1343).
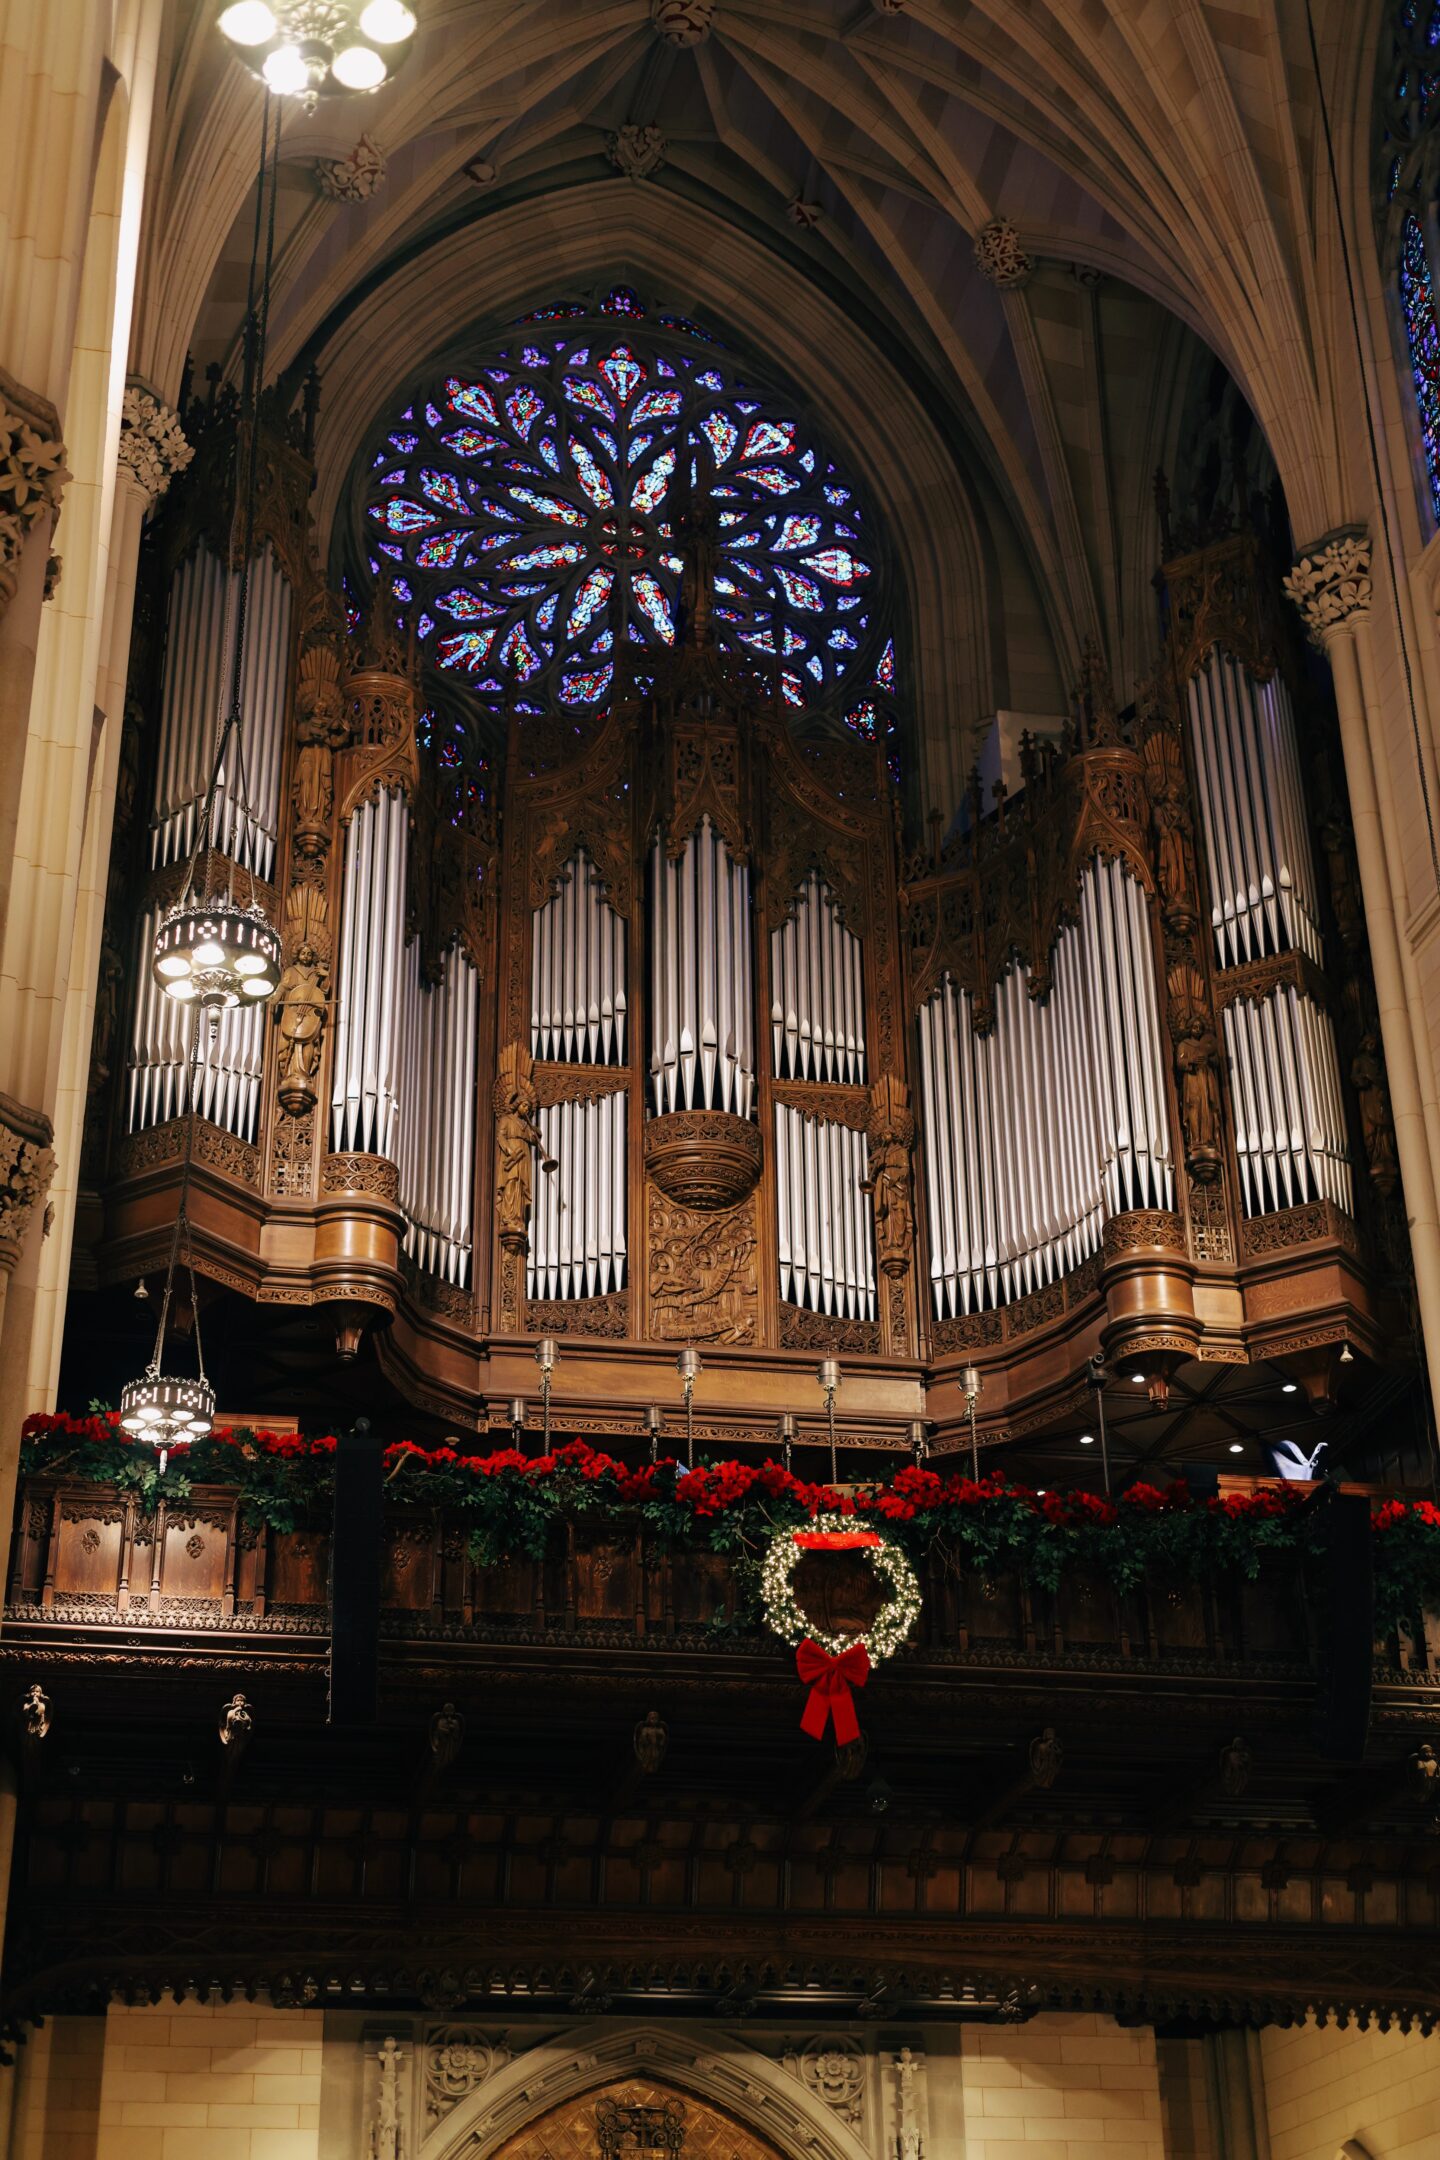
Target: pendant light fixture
(313,49)
(162,1408)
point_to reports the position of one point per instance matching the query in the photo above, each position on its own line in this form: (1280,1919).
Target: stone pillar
(54,58)
(1331,586)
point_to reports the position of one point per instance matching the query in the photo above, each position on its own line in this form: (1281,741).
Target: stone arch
(732,2084)
(939,520)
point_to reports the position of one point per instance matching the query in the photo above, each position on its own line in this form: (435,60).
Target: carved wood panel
(571,2131)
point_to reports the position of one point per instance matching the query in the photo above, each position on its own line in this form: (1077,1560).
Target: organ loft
(627,1004)
(719,1080)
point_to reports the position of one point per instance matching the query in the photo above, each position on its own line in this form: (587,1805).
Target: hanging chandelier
(216,954)
(319,48)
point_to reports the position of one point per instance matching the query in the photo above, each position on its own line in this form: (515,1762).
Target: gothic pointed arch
(549,2095)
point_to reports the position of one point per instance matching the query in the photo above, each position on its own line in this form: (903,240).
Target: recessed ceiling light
(1138,1379)
(1289,1387)
(1237,1447)
(1087,1439)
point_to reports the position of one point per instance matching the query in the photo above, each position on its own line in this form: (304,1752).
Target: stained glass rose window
(530,509)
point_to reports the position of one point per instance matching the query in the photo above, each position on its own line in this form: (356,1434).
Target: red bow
(830,1678)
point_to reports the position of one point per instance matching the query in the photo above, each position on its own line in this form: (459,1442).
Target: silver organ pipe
(816,1011)
(1289,1116)
(365,1074)
(702,1038)
(1037,1132)
(577,1226)
(435,1140)
(827,1259)
(577,972)
(231,1061)
(1252,813)
(199,650)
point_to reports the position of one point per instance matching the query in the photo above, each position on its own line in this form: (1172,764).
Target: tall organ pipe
(1289,1114)
(577,972)
(199,650)
(435,1136)
(827,1259)
(1252,813)
(816,1015)
(365,1078)
(702,1040)
(577,1228)
(1037,1132)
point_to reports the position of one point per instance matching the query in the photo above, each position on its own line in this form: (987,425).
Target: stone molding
(33,474)
(152,442)
(683,22)
(1000,258)
(637,150)
(1330,583)
(27,1164)
(355,177)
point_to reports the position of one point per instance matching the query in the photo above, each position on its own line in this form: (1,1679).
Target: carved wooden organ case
(673,1043)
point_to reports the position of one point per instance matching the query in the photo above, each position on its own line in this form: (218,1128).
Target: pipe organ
(651,1032)
(435,1145)
(1055,1119)
(366,1067)
(200,653)
(1252,810)
(817,1012)
(577,972)
(1280,1049)
(1289,1117)
(702,1045)
(821,1184)
(577,1243)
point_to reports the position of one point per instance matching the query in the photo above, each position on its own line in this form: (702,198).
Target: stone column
(54,57)
(1331,586)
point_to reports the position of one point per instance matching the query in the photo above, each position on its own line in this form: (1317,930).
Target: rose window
(531,510)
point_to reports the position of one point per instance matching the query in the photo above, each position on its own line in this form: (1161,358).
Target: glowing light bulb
(1087,1439)
(1237,1447)
(359,68)
(286,72)
(209,954)
(387,21)
(173,965)
(248,22)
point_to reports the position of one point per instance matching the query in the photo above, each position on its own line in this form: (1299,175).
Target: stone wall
(243,2081)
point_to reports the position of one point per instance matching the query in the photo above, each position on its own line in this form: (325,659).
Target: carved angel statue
(299,1006)
(889,1183)
(1377,1128)
(517,1137)
(237,1722)
(320,730)
(1195,1063)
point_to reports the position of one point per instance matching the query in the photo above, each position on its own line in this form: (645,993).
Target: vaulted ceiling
(826,168)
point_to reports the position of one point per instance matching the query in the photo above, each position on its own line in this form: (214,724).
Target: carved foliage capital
(1330,583)
(153,444)
(27,1164)
(33,474)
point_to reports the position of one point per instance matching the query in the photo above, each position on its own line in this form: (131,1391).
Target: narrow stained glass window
(1422,333)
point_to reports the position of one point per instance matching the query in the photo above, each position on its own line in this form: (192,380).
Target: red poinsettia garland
(511,1501)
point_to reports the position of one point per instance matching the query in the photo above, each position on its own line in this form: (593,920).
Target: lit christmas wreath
(832,1665)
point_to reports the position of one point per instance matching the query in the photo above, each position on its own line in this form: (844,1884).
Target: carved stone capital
(152,442)
(1330,583)
(27,1164)
(33,474)
(1000,258)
